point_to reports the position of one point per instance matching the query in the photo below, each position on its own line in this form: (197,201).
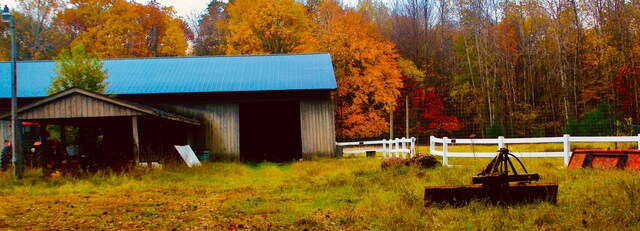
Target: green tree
(76,68)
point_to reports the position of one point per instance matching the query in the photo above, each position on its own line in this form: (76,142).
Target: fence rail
(501,141)
(389,148)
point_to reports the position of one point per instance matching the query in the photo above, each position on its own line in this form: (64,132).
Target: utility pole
(15,126)
(406,103)
(391,123)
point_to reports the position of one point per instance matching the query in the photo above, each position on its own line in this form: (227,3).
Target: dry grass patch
(333,194)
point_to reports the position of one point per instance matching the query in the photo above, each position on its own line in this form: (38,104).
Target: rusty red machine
(605,159)
(499,183)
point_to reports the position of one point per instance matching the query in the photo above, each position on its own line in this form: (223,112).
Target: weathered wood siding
(5,132)
(77,105)
(220,126)
(317,127)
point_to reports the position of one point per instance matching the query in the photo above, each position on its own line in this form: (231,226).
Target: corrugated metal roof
(189,74)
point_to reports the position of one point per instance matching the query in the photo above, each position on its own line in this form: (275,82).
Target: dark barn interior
(269,131)
(87,143)
(158,137)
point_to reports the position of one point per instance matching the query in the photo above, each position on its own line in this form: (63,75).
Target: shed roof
(78,103)
(209,74)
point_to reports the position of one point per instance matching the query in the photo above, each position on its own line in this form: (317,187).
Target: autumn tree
(366,70)
(212,30)
(117,36)
(76,68)
(378,12)
(173,43)
(118,28)
(5,42)
(37,36)
(268,26)
(426,112)
(83,15)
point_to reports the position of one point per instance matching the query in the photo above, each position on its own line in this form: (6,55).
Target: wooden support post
(3,124)
(44,144)
(136,141)
(63,140)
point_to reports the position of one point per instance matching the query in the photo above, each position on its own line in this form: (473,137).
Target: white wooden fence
(501,141)
(390,148)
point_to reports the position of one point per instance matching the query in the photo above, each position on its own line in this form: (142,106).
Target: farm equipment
(606,159)
(499,183)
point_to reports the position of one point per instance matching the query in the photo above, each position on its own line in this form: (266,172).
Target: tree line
(527,67)
(460,67)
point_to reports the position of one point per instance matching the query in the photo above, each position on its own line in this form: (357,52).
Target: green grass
(334,194)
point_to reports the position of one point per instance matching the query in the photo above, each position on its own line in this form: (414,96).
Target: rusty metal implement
(499,183)
(606,159)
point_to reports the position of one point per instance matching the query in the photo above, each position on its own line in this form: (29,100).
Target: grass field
(333,194)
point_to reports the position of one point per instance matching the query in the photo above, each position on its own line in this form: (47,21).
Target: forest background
(462,68)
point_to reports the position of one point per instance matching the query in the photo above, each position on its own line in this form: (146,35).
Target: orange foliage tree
(366,70)
(118,28)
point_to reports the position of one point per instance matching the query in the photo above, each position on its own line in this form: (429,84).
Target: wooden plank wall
(318,128)
(76,105)
(5,132)
(220,126)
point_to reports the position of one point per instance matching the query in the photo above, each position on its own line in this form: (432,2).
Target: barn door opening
(270,131)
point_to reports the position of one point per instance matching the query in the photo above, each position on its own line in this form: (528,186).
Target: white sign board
(187,155)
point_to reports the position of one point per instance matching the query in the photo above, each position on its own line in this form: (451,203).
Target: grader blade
(498,183)
(513,194)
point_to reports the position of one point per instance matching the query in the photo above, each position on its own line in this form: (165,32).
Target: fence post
(500,142)
(567,149)
(445,161)
(638,141)
(404,146)
(394,148)
(384,148)
(432,145)
(413,146)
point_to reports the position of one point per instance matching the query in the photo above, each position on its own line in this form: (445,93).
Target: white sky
(183,8)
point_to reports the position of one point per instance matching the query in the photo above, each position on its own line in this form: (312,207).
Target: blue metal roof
(189,74)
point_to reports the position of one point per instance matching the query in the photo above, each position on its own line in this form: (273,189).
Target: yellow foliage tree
(173,43)
(268,26)
(118,36)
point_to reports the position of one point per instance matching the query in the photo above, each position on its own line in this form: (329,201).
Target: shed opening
(270,131)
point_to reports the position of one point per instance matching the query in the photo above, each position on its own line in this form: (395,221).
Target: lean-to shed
(254,107)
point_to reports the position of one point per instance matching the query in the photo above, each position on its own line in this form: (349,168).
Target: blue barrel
(204,155)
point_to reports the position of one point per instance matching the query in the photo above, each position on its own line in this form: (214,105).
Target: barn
(254,107)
